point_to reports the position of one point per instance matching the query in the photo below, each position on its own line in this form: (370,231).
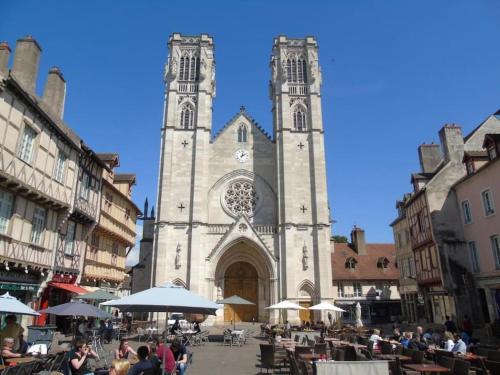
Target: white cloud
(133,256)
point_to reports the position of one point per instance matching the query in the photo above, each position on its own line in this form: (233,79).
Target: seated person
(153,357)
(8,351)
(180,356)
(472,347)
(144,366)
(78,358)
(375,337)
(196,327)
(449,344)
(396,334)
(119,367)
(417,342)
(406,340)
(165,355)
(459,346)
(124,350)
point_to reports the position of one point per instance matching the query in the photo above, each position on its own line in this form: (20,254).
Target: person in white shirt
(459,346)
(449,344)
(375,337)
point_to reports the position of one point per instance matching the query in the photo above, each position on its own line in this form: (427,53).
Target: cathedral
(242,212)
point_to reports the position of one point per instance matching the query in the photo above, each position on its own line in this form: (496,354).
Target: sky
(394,72)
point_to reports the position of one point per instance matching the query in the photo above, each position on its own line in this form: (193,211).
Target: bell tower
(303,215)
(185,137)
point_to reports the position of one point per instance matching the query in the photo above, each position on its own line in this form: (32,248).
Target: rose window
(241,198)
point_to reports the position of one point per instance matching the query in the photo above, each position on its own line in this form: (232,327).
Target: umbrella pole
(234,319)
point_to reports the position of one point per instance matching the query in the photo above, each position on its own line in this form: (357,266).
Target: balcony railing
(295,89)
(188,87)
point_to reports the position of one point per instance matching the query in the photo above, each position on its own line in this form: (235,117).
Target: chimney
(452,143)
(358,240)
(4,58)
(430,157)
(26,59)
(55,91)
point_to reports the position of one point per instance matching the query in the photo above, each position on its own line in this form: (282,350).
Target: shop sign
(66,279)
(18,277)
(19,287)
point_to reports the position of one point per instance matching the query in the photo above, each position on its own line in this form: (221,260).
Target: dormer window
(470,166)
(351,263)
(492,152)
(383,263)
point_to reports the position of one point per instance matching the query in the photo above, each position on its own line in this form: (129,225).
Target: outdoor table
(426,367)
(332,339)
(187,336)
(22,360)
(151,331)
(392,357)
(310,356)
(471,357)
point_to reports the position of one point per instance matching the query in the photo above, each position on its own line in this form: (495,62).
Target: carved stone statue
(219,292)
(203,69)
(283,71)
(178,257)
(305,258)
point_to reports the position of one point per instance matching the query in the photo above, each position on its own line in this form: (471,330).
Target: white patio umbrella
(165,297)
(326,306)
(359,323)
(10,305)
(285,305)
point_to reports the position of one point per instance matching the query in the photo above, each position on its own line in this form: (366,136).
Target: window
(95,240)
(69,245)
(466,212)
(299,119)
(242,133)
(114,249)
(296,70)
(85,186)
(383,263)
(495,246)
(38,225)
(340,290)
(127,213)
(489,207)
(27,144)
(350,263)
(187,118)
(492,153)
(189,69)
(59,167)
(358,292)
(474,259)
(6,200)
(470,167)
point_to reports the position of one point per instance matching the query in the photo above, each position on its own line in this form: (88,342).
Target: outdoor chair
(482,351)
(228,338)
(296,338)
(350,353)
(395,367)
(366,353)
(446,362)
(369,346)
(305,368)
(141,333)
(493,367)
(26,368)
(11,370)
(338,355)
(294,366)
(494,355)
(407,352)
(317,339)
(267,358)
(385,347)
(320,348)
(461,367)
(305,340)
(310,343)
(417,357)
(57,362)
(237,339)
(302,350)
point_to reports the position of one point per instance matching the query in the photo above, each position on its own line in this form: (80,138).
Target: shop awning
(73,288)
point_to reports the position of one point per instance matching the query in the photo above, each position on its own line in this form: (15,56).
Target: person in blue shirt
(459,346)
(144,366)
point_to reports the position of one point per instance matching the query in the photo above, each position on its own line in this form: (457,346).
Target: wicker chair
(461,367)
(446,362)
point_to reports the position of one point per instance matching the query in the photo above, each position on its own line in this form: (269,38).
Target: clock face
(241,155)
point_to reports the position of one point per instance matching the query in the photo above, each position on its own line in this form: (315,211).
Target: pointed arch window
(299,119)
(296,70)
(189,68)
(187,118)
(242,133)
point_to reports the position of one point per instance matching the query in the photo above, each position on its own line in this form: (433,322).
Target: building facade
(436,232)
(367,274)
(114,234)
(411,300)
(478,197)
(242,212)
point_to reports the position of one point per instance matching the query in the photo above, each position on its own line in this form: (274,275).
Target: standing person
(467,325)
(144,366)
(450,325)
(78,359)
(12,329)
(124,350)
(180,355)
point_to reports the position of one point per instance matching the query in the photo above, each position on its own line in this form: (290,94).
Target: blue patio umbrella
(11,305)
(76,308)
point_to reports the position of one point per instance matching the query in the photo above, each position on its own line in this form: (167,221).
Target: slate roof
(366,267)
(244,113)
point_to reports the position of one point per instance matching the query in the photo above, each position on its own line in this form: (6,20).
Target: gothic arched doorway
(241,278)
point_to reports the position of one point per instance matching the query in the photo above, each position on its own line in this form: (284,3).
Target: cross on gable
(303,209)
(181,207)
(184,143)
(301,145)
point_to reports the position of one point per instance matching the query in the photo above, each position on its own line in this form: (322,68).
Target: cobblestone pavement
(211,358)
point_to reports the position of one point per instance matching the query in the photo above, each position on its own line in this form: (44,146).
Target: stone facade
(243,196)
